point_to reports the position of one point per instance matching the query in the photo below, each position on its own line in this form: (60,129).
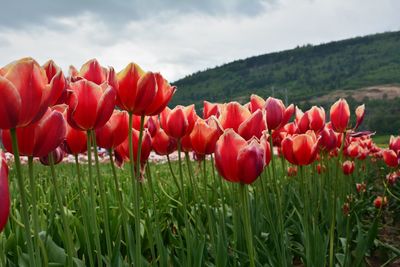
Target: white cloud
(177,44)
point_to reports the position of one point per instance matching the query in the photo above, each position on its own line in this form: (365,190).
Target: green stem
(173,174)
(35,216)
(24,204)
(103,198)
(84,213)
(185,210)
(247,224)
(67,232)
(93,203)
(129,245)
(135,184)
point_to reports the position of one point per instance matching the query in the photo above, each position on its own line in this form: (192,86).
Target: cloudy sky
(179,37)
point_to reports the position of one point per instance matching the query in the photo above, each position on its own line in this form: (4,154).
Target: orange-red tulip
(90,106)
(256,103)
(390,158)
(57,82)
(163,144)
(114,132)
(348,167)
(232,115)
(340,115)
(316,116)
(236,160)
(179,121)
(300,149)
(253,125)
(40,138)
(205,135)
(24,93)
(4,192)
(94,72)
(142,93)
(210,109)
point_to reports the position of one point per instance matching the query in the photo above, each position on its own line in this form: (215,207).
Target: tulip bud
(348,167)
(390,158)
(380,202)
(340,115)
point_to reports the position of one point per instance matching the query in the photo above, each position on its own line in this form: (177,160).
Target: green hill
(307,74)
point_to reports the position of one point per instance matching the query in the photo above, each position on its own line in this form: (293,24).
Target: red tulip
(114,132)
(94,72)
(390,158)
(186,144)
(123,149)
(236,160)
(256,103)
(316,117)
(340,115)
(292,171)
(142,93)
(178,122)
(360,112)
(394,144)
(4,192)
(153,125)
(210,109)
(90,105)
(380,202)
(267,147)
(300,149)
(302,121)
(232,115)
(40,138)
(275,112)
(361,188)
(253,125)
(328,139)
(58,155)
(24,93)
(348,167)
(205,135)
(163,144)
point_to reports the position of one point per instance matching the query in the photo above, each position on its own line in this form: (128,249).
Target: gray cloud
(22,13)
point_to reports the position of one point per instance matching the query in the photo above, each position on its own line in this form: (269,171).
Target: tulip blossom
(4,192)
(232,115)
(57,82)
(361,188)
(210,109)
(390,158)
(163,144)
(179,121)
(316,116)
(360,112)
(340,115)
(123,149)
(89,105)
(57,154)
(142,93)
(291,171)
(267,147)
(253,125)
(40,138)
(114,132)
(237,160)
(24,93)
(94,72)
(328,139)
(394,144)
(348,167)
(205,135)
(256,103)
(277,115)
(380,202)
(152,124)
(300,149)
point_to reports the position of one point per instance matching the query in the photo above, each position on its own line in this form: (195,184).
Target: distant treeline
(307,72)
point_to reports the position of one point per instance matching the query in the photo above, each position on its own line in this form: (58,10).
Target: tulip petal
(10,104)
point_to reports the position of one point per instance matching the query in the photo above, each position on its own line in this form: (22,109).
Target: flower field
(259,184)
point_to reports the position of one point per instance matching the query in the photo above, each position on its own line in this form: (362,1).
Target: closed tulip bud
(316,116)
(348,167)
(267,147)
(90,106)
(210,109)
(275,112)
(361,188)
(205,135)
(57,154)
(57,82)
(380,202)
(4,192)
(328,139)
(392,177)
(163,144)
(256,103)
(38,139)
(340,115)
(394,144)
(152,124)
(300,149)
(390,158)
(236,160)
(179,121)
(94,72)
(253,125)
(302,121)
(114,132)
(232,115)
(360,112)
